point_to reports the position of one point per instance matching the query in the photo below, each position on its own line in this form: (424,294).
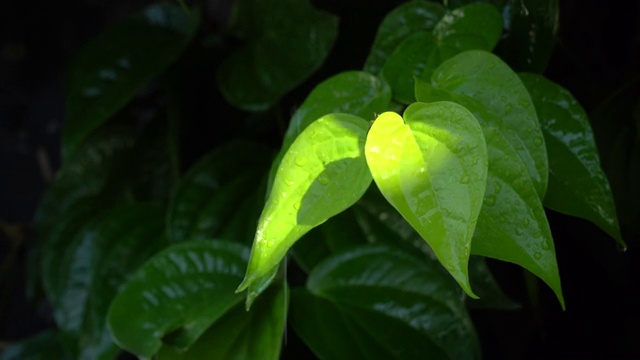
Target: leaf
(399,24)
(289,42)
(433,170)
(323,173)
(487,87)
(42,346)
(577,184)
(475,26)
(241,334)
(512,225)
(376,302)
(207,198)
(112,69)
(176,295)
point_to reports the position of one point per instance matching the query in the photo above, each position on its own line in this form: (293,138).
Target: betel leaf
(209,194)
(433,170)
(111,69)
(376,302)
(512,225)
(290,41)
(399,24)
(241,334)
(486,86)
(577,184)
(475,26)
(323,173)
(176,295)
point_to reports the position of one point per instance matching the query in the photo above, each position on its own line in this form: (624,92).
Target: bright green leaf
(577,183)
(512,225)
(323,173)
(376,302)
(399,24)
(176,295)
(433,170)
(290,41)
(487,87)
(110,70)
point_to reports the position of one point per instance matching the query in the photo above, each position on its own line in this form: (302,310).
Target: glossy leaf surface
(433,170)
(288,41)
(323,173)
(241,334)
(176,295)
(376,302)
(211,193)
(399,24)
(577,184)
(485,85)
(110,70)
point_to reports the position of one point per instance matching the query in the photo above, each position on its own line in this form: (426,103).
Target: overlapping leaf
(323,173)
(433,171)
(376,302)
(577,183)
(110,70)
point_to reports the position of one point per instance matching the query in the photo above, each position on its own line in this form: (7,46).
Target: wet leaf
(376,302)
(323,173)
(433,170)
(112,69)
(176,295)
(288,41)
(577,184)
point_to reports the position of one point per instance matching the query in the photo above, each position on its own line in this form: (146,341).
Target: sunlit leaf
(577,183)
(433,170)
(323,173)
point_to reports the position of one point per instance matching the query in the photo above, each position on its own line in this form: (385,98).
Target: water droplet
(538,141)
(537,255)
(464,180)
(288,182)
(91,92)
(383,216)
(490,200)
(301,161)
(124,62)
(546,245)
(108,74)
(324,179)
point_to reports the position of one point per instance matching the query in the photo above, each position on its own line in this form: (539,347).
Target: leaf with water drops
(484,84)
(176,295)
(433,170)
(112,69)
(577,184)
(323,173)
(512,225)
(377,302)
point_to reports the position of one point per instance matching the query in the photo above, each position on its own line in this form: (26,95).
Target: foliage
(391,186)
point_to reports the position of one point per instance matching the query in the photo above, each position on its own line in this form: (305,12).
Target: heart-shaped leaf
(577,183)
(376,302)
(433,170)
(176,295)
(110,70)
(323,173)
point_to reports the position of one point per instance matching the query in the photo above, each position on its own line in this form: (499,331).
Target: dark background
(597,52)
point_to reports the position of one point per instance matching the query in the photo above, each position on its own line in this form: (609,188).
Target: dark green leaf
(398,25)
(323,173)
(288,41)
(433,170)
(110,70)
(42,346)
(375,302)
(577,183)
(176,295)
(214,191)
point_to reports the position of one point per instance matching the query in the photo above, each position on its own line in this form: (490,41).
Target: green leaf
(376,302)
(399,24)
(112,69)
(241,334)
(475,26)
(577,184)
(487,87)
(433,170)
(512,225)
(42,346)
(323,173)
(176,295)
(289,41)
(211,194)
